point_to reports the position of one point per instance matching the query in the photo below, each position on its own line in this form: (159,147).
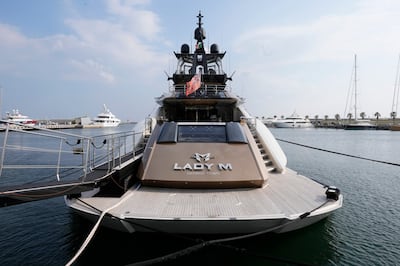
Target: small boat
(293,121)
(208,167)
(106,119)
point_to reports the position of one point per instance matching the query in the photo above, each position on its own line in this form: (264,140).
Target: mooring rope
(94,230)
(338,153)
(203,244)
(193,248)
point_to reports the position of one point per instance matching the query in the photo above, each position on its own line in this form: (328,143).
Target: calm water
(366,231)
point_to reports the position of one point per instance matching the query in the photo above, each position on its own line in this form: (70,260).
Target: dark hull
(359,127)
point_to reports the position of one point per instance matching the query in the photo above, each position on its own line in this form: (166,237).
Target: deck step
(268,163)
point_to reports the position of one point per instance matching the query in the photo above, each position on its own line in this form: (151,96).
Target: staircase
(269,164)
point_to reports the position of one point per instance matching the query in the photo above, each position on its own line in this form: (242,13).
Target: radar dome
(214,48)
(185,48)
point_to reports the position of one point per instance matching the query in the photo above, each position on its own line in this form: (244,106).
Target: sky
(66,58)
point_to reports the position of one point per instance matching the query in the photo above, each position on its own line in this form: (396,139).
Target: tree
(393,115)
(377,115)
(349,116)
(337,117)
(363,115)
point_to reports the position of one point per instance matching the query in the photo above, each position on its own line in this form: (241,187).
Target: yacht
(16,118)
(208,166)
(106,119)
(200,164)
(360,124)
(293,121)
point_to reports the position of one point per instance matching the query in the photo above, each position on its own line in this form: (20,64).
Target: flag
(193,85)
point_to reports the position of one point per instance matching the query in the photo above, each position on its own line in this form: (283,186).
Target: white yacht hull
(292,125)
(106,124)
(276,208)
(205,226)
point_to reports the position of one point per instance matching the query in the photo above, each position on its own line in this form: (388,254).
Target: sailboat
(395,103)
(358,124)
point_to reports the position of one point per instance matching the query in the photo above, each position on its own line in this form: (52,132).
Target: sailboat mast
(355,87)
(396,89)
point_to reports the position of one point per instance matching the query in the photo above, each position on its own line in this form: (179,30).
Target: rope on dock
(339,153)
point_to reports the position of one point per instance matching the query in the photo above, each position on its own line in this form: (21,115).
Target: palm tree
(316,122)
(349,116)
(362,114)
(337,117)
(326,120)
(393,115)
(377,115)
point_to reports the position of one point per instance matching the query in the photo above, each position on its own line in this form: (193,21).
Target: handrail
(50,149)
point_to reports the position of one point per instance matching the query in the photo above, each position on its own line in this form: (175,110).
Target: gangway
(79,163)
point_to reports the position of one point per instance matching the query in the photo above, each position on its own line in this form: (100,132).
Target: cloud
(310,62)
(92,70)
(10,36)
(372,29)
(135,20)
(128,39)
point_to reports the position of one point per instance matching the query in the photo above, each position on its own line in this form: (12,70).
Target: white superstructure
(293,121)
(106,119)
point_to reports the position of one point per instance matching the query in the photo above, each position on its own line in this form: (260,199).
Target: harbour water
(366,231)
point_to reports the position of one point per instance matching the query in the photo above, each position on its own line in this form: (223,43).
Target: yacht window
(168,133)
(235,133)
(201,133)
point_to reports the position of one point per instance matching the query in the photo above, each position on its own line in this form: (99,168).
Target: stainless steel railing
(62,153)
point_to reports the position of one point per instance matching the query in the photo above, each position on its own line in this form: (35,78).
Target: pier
(381,124)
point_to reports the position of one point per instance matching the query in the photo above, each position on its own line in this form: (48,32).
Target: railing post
(134,144)
(59,161)
(3,152)
(119,150)
(85,166)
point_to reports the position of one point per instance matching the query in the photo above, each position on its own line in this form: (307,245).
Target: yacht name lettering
(201,167)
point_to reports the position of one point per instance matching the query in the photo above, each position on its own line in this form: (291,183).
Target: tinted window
(201,133)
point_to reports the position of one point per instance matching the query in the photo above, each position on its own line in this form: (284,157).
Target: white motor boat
(18,120)
(293,121)
(208,167)
(106,119)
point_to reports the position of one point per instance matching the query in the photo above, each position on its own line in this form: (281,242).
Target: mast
(396,90)
(355,86)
